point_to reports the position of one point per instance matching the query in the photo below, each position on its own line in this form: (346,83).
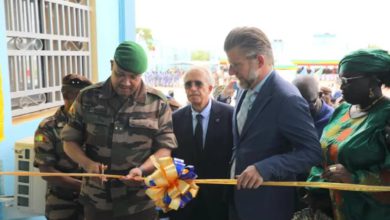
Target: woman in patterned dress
(354,141)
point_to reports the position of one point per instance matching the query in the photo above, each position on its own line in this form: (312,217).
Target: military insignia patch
(40,138)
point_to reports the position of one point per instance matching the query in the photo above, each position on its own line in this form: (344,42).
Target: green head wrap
(131,57)
(368,61)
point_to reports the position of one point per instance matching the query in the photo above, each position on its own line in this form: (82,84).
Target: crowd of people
(169,78)
(275,131)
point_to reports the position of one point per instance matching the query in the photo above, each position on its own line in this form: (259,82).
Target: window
(46,39)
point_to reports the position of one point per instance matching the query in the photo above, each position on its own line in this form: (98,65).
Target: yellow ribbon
(335,186)
(22,173)
(324,185)
(169,192)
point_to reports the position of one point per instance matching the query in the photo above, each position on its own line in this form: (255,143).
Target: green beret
(367,61)
(131,57)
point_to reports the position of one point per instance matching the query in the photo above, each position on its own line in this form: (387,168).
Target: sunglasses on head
(76,83)
(345,80)
(189,84)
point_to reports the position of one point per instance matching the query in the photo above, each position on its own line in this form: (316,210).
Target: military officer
(62,192)
(120,122)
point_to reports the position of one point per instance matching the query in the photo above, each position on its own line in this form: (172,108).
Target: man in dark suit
(321,112)
(206,144)
(274,134)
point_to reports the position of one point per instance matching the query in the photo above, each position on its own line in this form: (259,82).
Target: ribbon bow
(171,185)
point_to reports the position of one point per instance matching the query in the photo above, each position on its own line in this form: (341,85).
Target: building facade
(43,40)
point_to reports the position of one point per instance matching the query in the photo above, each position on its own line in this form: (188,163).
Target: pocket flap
(143,123)
(97,119)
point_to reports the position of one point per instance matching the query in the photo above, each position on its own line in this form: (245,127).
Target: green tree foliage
(200,55)
(147,35)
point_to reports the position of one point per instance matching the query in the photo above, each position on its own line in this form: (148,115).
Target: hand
(94,167)
(250,178)
(337,173)
(134,178)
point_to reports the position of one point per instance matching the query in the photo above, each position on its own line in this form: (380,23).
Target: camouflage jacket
(49,151)
(48,145)
(121,133)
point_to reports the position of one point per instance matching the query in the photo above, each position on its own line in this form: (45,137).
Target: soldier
(62,192)
(121,122)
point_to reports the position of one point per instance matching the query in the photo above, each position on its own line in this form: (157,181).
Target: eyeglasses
(190,83)
(344,80)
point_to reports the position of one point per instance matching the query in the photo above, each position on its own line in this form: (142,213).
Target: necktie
(243,112)
(199,132)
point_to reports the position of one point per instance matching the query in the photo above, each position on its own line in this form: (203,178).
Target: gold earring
(371,94)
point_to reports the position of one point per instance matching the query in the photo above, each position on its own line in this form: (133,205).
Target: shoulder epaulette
(157,93)
(47,121)
(93,86)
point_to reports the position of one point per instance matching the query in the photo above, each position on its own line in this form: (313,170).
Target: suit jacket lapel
(262,98)
(188,131)
(240,97)
(214,121)
(188,123)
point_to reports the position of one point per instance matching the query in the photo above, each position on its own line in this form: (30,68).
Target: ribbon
(171,185)
(324,185)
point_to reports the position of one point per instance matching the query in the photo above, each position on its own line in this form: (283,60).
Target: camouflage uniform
(61,203)
(121,133)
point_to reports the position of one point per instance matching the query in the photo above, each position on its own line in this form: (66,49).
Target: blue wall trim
(126,12)
(122,20)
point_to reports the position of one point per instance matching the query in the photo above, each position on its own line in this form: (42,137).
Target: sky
(203,24)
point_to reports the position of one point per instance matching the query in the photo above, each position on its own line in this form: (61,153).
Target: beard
(247,83)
